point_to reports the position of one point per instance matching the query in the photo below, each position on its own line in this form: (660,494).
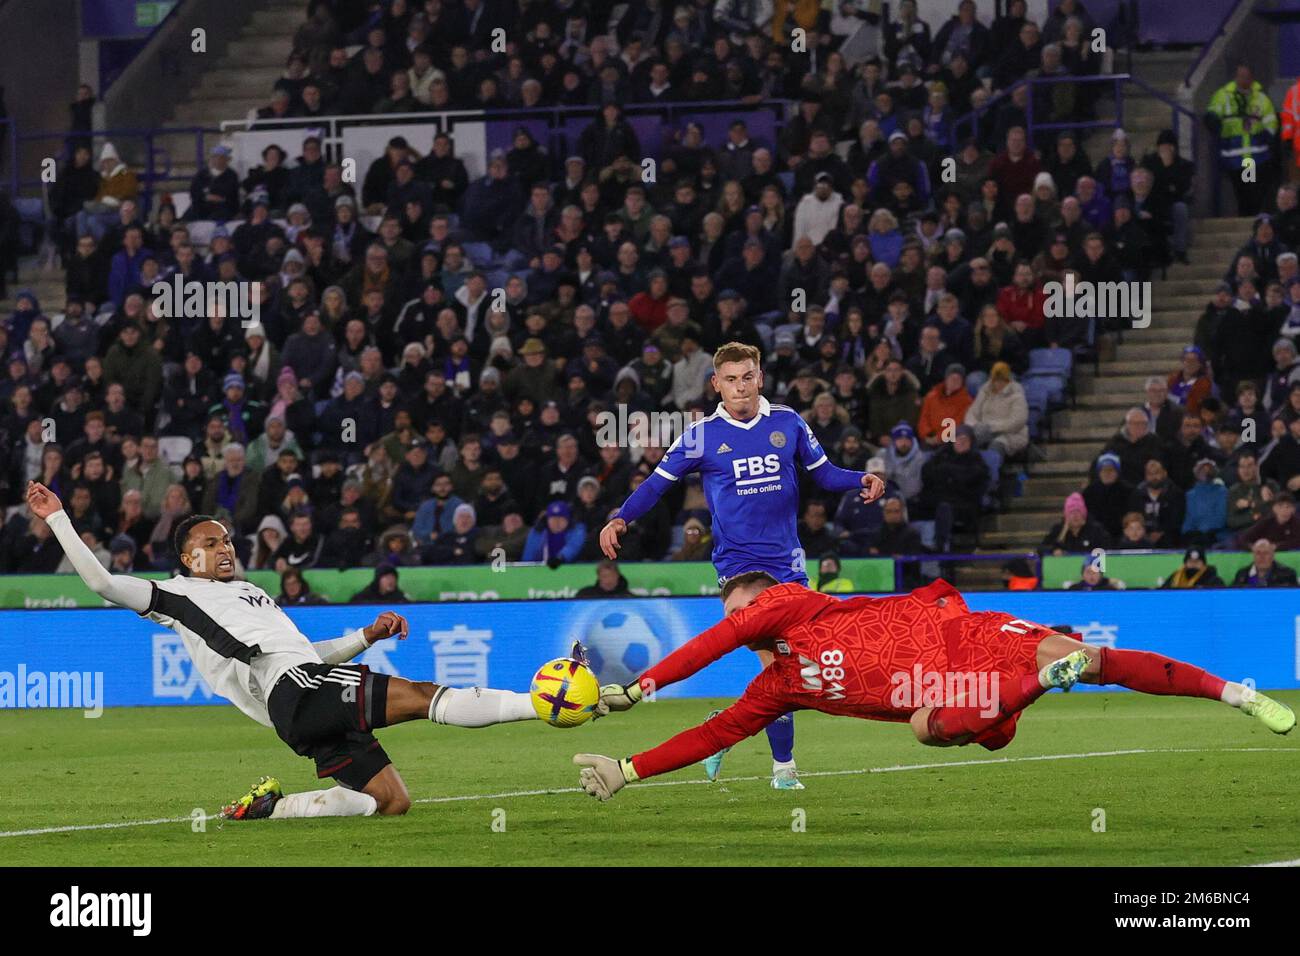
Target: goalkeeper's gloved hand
(617,698)
(602,777)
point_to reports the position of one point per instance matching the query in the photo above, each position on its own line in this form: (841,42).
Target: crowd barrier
(473,583)
(1150,569)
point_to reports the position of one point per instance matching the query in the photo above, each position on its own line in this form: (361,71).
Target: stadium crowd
(434,354)
(1211,456)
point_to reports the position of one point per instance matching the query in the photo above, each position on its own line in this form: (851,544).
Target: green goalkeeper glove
(602,777)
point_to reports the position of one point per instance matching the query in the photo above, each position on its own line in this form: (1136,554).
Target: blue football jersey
(750,470)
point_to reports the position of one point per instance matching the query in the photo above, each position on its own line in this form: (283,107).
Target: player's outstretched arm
(123,590)
(675,465)
(831,477)
(602,777)
(340,650)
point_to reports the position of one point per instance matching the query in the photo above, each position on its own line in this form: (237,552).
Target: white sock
(334,802)
(778,765)
(479,707)
(1233,694)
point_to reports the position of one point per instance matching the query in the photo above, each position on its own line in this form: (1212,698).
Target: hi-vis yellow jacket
(1291,119)
(1234,107)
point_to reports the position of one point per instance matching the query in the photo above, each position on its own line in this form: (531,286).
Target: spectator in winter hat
(944,407)
(1107,495)
(1093,578)
(555,539)
(1076,533)
(1194,573)
(1000,412)
(1207,505)
(1191,384)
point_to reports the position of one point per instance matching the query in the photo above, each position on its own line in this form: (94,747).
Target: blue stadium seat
(497,279)
(1057,360)
(480,253)
(1038,396)
(993,459)
(31,221)
(1052,368)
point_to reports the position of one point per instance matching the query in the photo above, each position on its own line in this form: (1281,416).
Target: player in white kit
(250,652)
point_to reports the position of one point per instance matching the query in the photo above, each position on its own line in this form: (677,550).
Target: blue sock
(780,736)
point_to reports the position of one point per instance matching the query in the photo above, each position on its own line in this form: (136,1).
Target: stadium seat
(1056,360)
(175,448)
(497,279)
(1038,398)
(993,459)
(31,221)
(201,233)
(480,253)
(1051,367)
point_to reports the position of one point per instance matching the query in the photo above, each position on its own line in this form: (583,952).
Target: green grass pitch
(1209,787)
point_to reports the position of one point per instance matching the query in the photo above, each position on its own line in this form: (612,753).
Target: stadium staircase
(1079,432)
(239,81)
(1099,407)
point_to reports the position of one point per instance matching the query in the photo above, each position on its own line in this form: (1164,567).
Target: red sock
(1157,674)
(949,723)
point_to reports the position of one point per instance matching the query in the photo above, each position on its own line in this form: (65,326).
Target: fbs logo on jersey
(724,449)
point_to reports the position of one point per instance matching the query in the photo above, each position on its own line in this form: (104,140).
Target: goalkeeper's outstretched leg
(1063,660)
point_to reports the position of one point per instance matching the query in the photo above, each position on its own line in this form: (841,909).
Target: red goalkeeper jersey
(838,656)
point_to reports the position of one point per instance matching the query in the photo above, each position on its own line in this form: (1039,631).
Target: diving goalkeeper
(862,657)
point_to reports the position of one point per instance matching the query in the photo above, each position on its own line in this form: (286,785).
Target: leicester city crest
(777,439)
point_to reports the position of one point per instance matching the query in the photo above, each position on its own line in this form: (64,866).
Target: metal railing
(331,127)
(1210,42)
(1116,80)
(155,160)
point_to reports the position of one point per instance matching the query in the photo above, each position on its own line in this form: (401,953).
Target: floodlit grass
(1229,797)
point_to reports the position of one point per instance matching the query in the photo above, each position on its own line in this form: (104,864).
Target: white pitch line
(95,826)
(507,795)
(1278,863)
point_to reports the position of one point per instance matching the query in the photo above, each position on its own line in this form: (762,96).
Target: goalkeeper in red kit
(957,676)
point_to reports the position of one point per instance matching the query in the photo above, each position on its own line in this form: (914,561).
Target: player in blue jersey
(748,453)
